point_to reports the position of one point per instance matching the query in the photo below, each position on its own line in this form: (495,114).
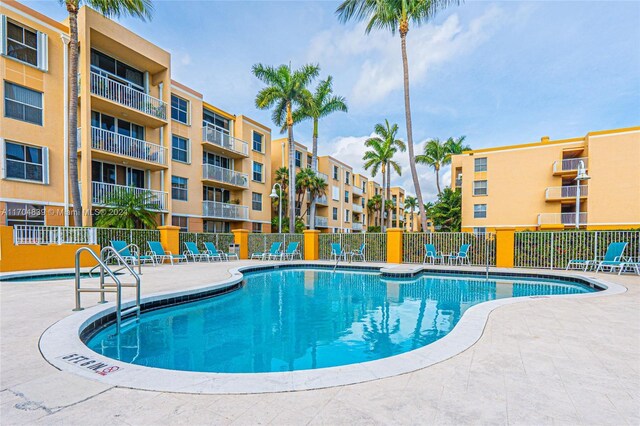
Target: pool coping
(61,344)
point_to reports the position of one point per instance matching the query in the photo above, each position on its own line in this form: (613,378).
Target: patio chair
(629,264)
(584,264)
(430,252)
(131,257)
(160,255)
(274,250)
(613,257)
(194,253)
(291,251)
(337,253)
(462,255)
(215,254)
(358,252)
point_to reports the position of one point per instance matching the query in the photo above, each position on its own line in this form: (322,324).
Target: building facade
(533,186)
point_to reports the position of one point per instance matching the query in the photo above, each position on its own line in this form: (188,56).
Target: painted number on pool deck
(91,364)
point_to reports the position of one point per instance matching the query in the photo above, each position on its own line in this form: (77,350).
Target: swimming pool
(301,319)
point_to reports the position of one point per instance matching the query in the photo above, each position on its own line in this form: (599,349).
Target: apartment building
(373,189)
(533,186)
(397,214)
(138,131)
(360,199)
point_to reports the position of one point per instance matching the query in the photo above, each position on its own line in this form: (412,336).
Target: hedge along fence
(375,249)
(221,241)
(554,249)
(260,243)
(481,252)
(138,237)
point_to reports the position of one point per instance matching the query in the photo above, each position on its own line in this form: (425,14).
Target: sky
(498,73)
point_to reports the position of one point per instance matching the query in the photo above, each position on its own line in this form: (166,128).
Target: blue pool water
(297,319)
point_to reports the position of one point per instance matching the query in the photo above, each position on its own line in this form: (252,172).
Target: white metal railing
(555,192)
(322,200)
(214,135)
(323,176)
(322,221)
(481,252)
(357,208)
(357,191)
(568,164)
(561,218)
(224,210)
(220,174)
(42,235)
(554,249)
(102,192)
(356,226)
(127,96)
(112,142)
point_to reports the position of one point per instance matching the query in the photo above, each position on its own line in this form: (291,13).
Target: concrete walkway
(544,361)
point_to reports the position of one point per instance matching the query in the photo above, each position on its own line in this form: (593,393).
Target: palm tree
(435,155)
(304,180)
(388,133)
(456,146)
(322,104)
(395,15)
(109,8)
(286,90)
(446,213)
(410,206)
(128,210)
(317,187)
(374,205)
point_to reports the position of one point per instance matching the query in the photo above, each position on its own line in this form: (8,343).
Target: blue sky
(498,72)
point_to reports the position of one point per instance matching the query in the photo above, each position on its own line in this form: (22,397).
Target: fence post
(241,237)
(505,247)
(394,245)
(311,244)
(170,238)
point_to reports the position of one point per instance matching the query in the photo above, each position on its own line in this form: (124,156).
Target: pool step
(126,312)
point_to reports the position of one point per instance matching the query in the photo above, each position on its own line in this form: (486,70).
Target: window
(336,172)
(116,125)
(480,230)
(346,177)
(298,159)
(257,142)
(22,103)
(118,71)
(346,196)
(220,195)
(181,221)
(256,228)
(25,214)
(257,171)
(479,211)
(335,193)
(179,149)
(479,187)
(362,202)
(103,172)
(24,44)
(26,162)
(346,215)
(135,177)
(480,164)
(256,201)
(335,213)
(309,161)
(179,109)
(210,117)
(178,188)
(213,226)
(217,160)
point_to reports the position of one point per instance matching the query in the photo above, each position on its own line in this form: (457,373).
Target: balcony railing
(322,221)
(357,191)
(120,93)
(323,176)
(561,218)
(103,192)
(556,192)
(220,210)
(356,226)
(114,143)
(357,208)
(568,165)
(322,200)
(220,174)
(42,235)
(214,135)
(458,183)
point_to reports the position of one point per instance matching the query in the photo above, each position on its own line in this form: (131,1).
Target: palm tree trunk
(292,172)
(383,209)
(73,113)
(407,109)
(314,165)
(388,189)
(438,180)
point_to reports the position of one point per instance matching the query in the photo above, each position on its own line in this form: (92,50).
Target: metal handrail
(131,271)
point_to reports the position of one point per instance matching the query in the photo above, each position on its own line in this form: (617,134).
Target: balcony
(561,219)
(357,208)
(233,147)
(322,200)
(568,166)
(357,191)
(323,176)
(458,183)
(322,222)
(114,91)
(119,145)
(102,192)
(225,177)
(218,210)
(356,226)
(555,193)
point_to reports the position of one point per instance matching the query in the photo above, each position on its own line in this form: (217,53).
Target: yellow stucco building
(533,186)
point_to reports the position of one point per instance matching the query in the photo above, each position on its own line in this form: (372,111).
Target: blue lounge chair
(160,255)
(131,256)
(583,264)
(358,252)
(194,253)
(273,251)
(462,255)
(630,264)
(337,252)
(291,252)
(214,253)
(613,257)
(430,252)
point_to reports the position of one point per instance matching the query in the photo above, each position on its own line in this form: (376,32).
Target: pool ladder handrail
(134,249)
(108,287)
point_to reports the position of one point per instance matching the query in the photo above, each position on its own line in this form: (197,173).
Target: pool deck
(543,361)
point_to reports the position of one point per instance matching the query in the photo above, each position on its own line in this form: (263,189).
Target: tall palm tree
(388,132)
(374,205)
(395,16)
(410,206)
(456,146)
(286,90)
(322,103)
(109,8)
(435,155)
